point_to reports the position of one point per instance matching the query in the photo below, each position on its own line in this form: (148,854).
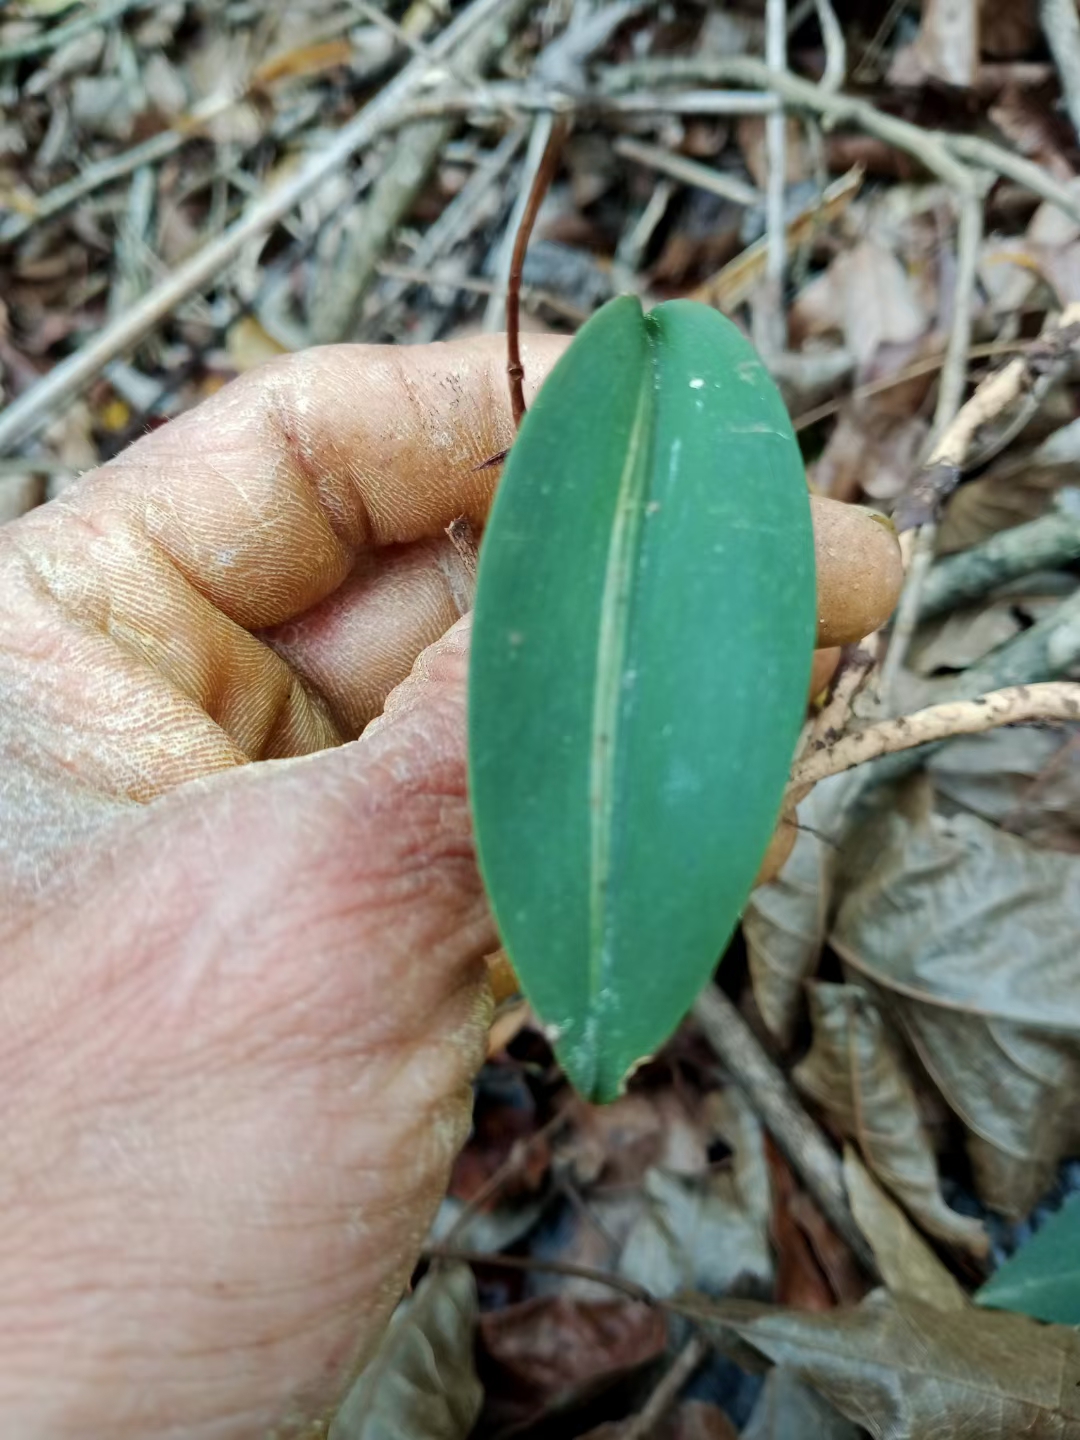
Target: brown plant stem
(544,175)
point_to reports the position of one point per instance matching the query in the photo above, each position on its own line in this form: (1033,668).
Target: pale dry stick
(117,167)
(828,724)
(689,102)
(191,126)
(773,319)
(835,46)
(342,285)
(622,91)
(1061,26)
(829,408)
(31,410)
(929,147)
(1029,373)
(644,1424)
(1056,702)
(456,221)
(61,34)
(495,315)
(530,98)
(772,1098)
(919,550)
(688,172)
(531,295)
(917,553)
(1046,543)
(946,463)
(954,370)
(634,241)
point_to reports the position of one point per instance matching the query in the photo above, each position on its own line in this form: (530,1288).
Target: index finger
(264,495)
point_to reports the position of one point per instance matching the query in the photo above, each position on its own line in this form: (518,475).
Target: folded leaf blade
(644,626)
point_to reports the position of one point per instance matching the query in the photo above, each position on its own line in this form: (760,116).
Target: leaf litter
(914,965)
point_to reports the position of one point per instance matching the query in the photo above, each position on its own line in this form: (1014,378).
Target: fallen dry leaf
(788,1409)
(422,1380)
(907,1263)
(800,1280)
(906,1370)
(971,933)
(785,922)
(856,1074)
(1023,779)
(869,453)
(867,295)
(946,48)
(1017,487)
(552,1352)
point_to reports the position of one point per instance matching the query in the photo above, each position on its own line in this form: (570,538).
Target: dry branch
(1043,544)
(773,1099)
(1028,376)
(689,172)
(1019,705)
(1061,26)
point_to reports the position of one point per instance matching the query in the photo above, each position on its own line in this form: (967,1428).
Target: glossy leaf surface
(644,626)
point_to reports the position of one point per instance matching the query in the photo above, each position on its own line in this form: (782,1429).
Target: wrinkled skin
(243,989)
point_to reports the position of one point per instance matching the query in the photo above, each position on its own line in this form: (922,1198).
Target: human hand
(243,990)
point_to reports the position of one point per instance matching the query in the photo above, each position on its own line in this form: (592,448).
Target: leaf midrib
(612,645)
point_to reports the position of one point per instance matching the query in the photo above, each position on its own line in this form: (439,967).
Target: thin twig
(1044,544)
(506,1171)
(623,90)
(773,1099)
(642,1426)
(917,513)
(954,370)
(835,46)
(1056,702)
(917,550)
(773,325)
(339,295)
(531,296)
(851,676)
(116,167)
(689,172)
(1061,26)
(61,34)
(1047,649)
(928,146)
(829,408)
(32,409)
(1031,372)
(629,1288)
(539,135)
(545,171)
(462,214)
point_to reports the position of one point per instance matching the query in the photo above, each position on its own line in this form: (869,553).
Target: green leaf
(1043,1278)
(644,625)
